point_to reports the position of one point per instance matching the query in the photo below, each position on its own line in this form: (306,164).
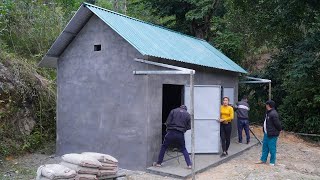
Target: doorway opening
(172,97)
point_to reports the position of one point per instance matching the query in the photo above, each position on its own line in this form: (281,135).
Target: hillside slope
(27,106)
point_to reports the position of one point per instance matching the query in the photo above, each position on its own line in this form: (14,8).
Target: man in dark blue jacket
(271,129)
(178,123)
(242,109)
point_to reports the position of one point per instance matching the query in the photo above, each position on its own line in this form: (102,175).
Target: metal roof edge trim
(65,28)
(234,71)
(45,58)
(46,62)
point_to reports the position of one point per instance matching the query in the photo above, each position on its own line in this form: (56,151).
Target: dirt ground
(296,159)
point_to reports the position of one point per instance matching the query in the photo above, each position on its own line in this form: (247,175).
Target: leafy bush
(29,27)
(300,108)
(295,73)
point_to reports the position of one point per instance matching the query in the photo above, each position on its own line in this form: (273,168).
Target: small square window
(97,47)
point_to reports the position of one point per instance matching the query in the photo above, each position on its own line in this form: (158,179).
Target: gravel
(296,159)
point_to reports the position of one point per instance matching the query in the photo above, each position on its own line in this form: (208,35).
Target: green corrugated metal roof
(157,41)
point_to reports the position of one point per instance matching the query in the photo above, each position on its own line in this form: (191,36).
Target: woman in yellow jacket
(226,116)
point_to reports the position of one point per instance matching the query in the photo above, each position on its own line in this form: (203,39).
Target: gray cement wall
(103,107)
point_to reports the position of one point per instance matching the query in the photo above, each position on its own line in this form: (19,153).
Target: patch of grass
(17,172)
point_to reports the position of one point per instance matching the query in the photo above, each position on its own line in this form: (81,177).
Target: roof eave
(241,71)
(71,30)
(49,62)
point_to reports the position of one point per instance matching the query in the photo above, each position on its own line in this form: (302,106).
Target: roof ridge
(139,20)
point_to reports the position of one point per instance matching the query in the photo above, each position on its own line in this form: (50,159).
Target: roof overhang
(74,26)
(83,15)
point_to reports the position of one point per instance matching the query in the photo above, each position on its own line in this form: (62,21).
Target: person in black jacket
(271,129)
(178,123)
(242,108)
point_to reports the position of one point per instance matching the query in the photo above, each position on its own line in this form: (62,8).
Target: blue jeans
(269,145)
(177,137)
(243,124)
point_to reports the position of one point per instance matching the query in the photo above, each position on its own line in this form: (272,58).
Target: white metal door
(206,114)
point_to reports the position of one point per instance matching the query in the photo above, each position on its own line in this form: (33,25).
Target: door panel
(206,112)
(206,101)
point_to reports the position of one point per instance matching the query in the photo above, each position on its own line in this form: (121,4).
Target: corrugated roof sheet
(153,40)
(157,41)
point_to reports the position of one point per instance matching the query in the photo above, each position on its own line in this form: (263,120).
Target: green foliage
(292,29)
(105,4)
(29,27)
(300,108)
(231,43)
(192,17)
(70,6)
(33,141)
(272,22)
(137,9)
(24,94)
(295,78)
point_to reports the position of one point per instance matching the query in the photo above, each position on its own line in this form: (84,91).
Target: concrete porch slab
(174,166)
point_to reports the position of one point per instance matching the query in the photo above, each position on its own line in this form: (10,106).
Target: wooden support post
(269,90)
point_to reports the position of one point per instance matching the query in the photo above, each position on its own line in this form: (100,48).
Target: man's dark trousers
(174,137)
(243,124)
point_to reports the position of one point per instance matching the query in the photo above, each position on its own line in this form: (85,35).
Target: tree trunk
(202,30)
(91,1)
(125,7)
(116,5)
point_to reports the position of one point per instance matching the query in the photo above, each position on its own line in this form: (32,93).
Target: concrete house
(103,105)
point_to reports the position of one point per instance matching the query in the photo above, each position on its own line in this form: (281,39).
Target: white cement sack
(86,177)
(107,172)
(44,178)
(102,157)
(55,171)
(81,160)
(108,166)
(108,177)
(81,169)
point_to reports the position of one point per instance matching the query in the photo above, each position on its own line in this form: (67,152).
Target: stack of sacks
(55,171)
(87,167)
(109,164)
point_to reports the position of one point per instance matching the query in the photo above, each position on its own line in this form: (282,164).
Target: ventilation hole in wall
(97,47)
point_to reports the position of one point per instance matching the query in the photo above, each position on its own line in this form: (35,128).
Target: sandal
(260,162)
(154,164)
(224,154)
